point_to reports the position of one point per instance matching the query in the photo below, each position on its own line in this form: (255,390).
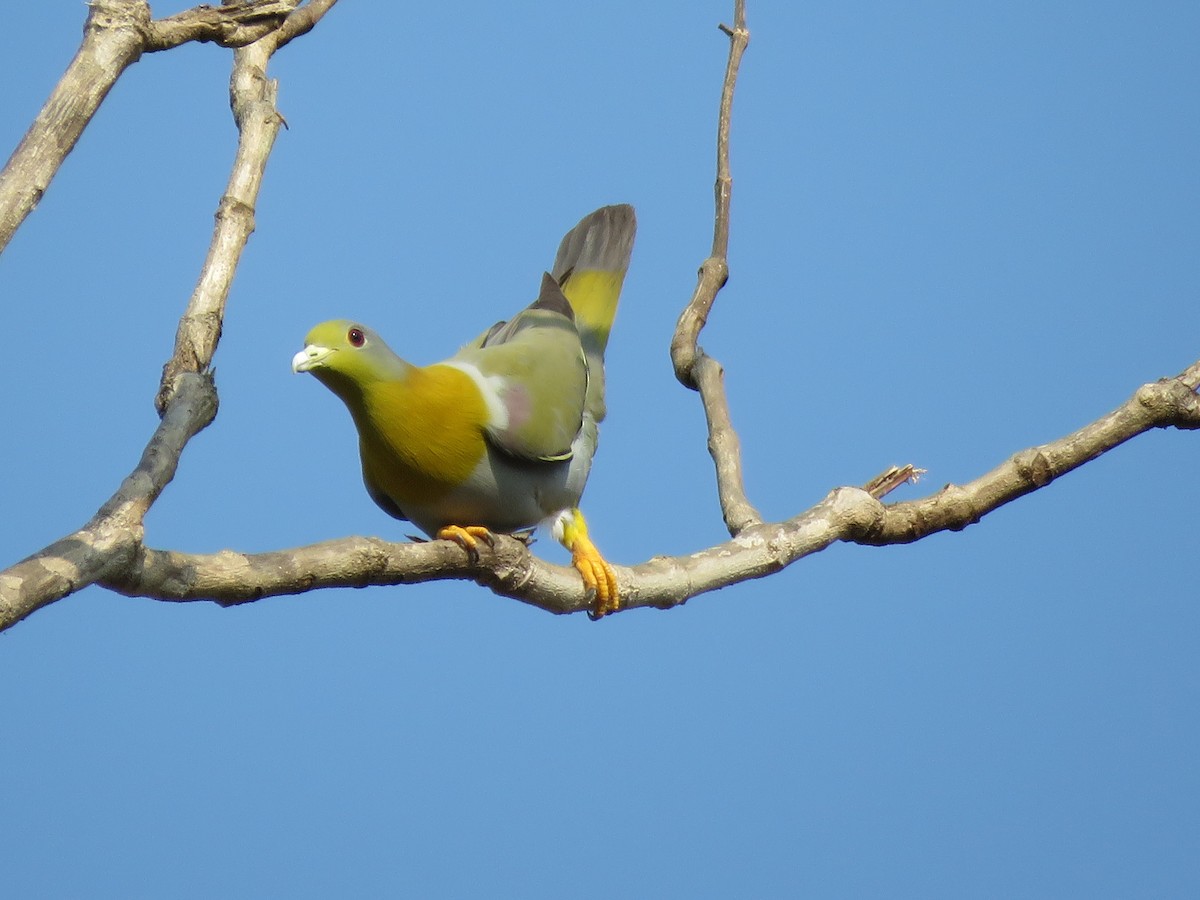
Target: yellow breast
(422,437)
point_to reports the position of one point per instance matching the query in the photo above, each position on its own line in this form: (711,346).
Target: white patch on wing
(490,387)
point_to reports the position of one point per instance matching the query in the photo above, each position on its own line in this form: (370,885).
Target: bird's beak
(310,357)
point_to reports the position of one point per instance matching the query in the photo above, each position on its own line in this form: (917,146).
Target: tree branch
(187,400)
(1170,402)
(300,21)
(509,569)
(228,25)
(694,368)
(109,541)
(115,35)
(252,99)
(113,39)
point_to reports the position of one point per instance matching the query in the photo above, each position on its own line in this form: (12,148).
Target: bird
(498,438)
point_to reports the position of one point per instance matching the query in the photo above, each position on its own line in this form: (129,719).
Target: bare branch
(115,36)
(301,21)
(113,39)
(1171,402)
(187,401)
(109,540)
(252,98)
(237,24)
(693,367)
(229,25)
(509,569)
(230,578)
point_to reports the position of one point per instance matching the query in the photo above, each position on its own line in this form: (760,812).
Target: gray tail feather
(602,240)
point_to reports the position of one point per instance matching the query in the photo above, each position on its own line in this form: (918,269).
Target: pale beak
(310,357)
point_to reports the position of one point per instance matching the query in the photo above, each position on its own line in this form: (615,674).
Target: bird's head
(345,356)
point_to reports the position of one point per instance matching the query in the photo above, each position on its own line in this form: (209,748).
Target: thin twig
(693,367)
(886,482)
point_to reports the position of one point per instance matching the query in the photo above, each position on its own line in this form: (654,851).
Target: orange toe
(598,576)
(467,537)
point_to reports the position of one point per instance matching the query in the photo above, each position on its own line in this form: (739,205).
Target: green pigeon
(500,436)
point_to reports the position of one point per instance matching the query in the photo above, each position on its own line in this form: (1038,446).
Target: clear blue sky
(959,230)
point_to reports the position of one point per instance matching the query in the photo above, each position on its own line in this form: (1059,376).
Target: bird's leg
(599,577)
(467,537)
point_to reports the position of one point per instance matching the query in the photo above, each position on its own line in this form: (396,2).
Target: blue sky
(958,231)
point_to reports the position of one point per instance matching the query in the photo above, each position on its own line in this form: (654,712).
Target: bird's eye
(356,337)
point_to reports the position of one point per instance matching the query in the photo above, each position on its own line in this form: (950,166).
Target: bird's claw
(467,537)
(598,576)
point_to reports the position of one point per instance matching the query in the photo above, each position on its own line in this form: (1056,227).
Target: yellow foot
(597,574)
(467,537)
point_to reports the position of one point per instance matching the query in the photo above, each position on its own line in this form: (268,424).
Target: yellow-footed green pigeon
(500,436)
